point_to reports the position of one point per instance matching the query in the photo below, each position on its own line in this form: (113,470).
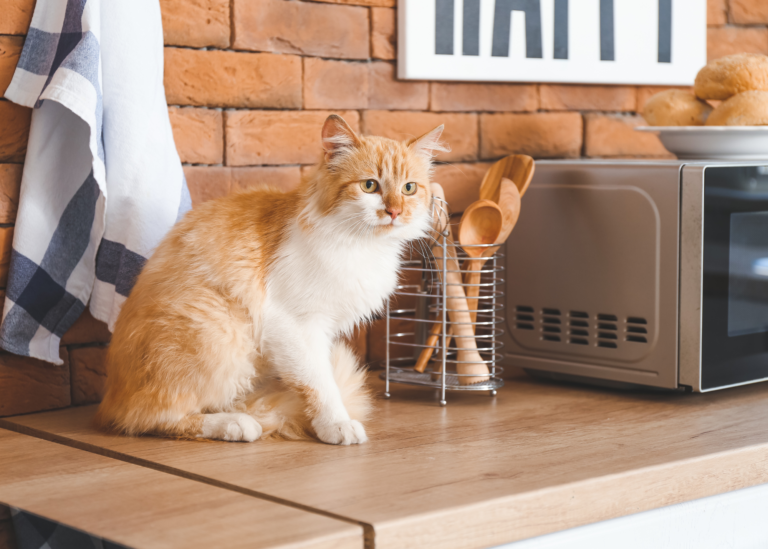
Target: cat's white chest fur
(332,281)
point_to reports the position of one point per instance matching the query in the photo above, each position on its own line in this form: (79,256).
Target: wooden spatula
(517,167)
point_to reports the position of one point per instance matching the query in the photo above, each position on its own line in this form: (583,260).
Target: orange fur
(188,341)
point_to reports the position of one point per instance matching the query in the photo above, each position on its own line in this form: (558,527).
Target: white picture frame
(643,42)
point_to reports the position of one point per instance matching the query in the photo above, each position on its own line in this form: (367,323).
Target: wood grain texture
(538,458)
(145,508)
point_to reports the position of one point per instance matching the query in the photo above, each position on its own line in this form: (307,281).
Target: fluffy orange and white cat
(234,329)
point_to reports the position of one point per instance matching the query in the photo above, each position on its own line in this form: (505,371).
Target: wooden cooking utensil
(509,205)
(481,223)
(456,303)
(517,167)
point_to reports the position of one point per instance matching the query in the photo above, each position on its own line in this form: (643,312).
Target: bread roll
(676,108)
(727,76)
(749,108)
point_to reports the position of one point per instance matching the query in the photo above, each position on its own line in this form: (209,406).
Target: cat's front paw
(344,432)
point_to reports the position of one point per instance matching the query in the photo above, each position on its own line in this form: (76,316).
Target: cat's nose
(393,213)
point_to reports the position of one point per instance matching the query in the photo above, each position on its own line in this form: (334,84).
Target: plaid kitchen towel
(102,182)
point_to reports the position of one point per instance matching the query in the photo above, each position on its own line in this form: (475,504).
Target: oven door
(734,281)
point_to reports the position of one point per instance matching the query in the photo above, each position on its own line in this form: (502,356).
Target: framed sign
(571,41)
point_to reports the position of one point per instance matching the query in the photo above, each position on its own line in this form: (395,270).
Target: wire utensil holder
(426,304)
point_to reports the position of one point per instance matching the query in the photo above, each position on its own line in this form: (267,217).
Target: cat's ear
(428,143)
(337,136)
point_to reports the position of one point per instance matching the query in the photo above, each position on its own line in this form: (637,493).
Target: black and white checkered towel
(102,181)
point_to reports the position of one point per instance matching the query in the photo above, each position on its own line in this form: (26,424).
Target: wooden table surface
(538,458)
(142,507)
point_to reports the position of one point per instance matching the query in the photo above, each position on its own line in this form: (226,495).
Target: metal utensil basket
(418,304)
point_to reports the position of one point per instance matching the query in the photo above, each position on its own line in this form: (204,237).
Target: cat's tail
(282,412)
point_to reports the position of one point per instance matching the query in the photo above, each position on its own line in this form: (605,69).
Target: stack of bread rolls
(739,81)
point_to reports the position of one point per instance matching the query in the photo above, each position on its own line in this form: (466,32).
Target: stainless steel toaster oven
(650,273)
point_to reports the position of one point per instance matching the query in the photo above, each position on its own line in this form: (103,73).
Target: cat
(234,328)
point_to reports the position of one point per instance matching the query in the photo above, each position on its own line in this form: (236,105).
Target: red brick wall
(249,83)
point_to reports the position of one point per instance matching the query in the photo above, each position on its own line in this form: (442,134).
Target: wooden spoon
(458,311)
(509,204)
(517,167)
(481,223)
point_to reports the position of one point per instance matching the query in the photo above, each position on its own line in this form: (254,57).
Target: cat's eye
(369,186)
(410,188)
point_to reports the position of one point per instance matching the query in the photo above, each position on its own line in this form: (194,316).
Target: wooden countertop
(538,458)
(141,507)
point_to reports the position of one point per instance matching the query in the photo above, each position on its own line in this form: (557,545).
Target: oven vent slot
(550,312)
(579,332)
(580,323)
(550,337)
(524,317)
(636,320)
(578,314)
(524,309)
(637,339)
(523,326)
(578,341)
(607,344)
(551,329)
(636,330)
(609,318)
(606,326)
(606,335)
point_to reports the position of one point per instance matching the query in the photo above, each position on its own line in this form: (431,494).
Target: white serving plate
(713,142)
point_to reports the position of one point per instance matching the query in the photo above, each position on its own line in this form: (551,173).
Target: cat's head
(374,185)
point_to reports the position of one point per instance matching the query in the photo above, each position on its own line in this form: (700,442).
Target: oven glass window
(748,274)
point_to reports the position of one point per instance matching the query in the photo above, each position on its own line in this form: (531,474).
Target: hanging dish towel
(102,181)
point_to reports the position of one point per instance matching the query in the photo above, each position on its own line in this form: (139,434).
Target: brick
(542,135)
(277,137)
(88,367)
(749,12)
(461,182)
(232,79)
(722,41)
(335,84)
(86,329)
(614,136)
(644,93)
(587,98)
(384,3)
(383,33)
(386,92)
(199,134)
(10,184)
(305,28)
(17,15)
(196,23)
(717,13)
(6,241)
(460,130)
(285,178)
(206,183)
(30,385)
(14,131)
(10,49)
(483,97)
